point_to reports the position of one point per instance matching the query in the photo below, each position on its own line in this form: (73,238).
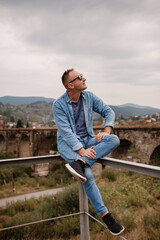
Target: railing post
(84,219)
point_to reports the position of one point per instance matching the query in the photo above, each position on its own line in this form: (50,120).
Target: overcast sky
(114,43)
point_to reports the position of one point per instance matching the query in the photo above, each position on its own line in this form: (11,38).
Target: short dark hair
(65,75)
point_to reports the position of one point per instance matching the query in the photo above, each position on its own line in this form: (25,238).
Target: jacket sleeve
(104,110)
(64,127)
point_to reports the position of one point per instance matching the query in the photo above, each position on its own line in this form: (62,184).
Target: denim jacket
(63,116)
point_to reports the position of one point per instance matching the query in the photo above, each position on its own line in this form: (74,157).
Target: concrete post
(84,219)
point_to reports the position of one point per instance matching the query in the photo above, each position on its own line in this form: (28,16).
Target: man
(77,143)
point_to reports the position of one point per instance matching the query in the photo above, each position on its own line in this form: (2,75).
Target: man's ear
(70,86)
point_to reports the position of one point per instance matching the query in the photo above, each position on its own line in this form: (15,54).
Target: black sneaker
(76,169)
(114,227)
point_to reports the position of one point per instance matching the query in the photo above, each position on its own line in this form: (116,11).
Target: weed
(134,199)
(109,173)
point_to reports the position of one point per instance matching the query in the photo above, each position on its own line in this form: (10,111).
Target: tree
(12,119)
(19,124)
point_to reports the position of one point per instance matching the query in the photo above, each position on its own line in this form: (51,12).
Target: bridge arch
(24,150)
(45,144)
(12,144)
(155,156)
(2,143)
(43,148)
(126,151)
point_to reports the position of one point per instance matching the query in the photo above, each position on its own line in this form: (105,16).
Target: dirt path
(5,201)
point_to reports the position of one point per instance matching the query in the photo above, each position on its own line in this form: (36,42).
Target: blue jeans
(107,145)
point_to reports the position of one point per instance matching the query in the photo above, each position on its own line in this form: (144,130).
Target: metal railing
(145,169)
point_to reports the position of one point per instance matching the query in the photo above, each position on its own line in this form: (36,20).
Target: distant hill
(39,109)
(35,112)
(128,110)
(132,105)
(23,100)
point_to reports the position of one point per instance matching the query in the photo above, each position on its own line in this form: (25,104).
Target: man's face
(79,82)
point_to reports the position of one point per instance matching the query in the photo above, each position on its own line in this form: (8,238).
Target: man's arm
(106,112)
(64,127)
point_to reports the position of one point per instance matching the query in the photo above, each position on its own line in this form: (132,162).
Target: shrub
(55,165)
(5,175)
(14,208)
(109,173)
(30,205)
(6,155)
(153,220)
(68,200)
(19,171)
(70,226)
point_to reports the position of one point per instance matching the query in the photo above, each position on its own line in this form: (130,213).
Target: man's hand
(89,152)
(101,136)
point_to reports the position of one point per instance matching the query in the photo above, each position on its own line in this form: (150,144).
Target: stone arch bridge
(146,141)
(25,142)
(37,142)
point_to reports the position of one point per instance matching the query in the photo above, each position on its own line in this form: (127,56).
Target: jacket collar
(68,100)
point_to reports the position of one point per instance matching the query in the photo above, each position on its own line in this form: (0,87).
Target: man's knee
(114,139)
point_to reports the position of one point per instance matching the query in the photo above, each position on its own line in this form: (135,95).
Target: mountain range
(23,100)
(125,110)
(128,110)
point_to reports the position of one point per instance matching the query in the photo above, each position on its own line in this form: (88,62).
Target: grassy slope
(133,199)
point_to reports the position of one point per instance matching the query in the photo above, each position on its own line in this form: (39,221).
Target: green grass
(25,183)
(133,199)
(133,152)
(6,155)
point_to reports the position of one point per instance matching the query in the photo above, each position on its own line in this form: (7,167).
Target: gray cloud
(120,39)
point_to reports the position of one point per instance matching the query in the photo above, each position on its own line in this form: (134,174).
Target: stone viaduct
(37,142)
(26,142)
(146,141)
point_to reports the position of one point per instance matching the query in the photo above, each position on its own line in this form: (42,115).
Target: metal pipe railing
(145,169)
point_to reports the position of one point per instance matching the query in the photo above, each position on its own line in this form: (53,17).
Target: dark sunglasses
(80,77)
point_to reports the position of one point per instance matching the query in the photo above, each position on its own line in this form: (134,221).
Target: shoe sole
(75,174)
(119,232)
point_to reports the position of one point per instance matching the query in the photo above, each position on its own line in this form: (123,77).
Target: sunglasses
(80,77)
